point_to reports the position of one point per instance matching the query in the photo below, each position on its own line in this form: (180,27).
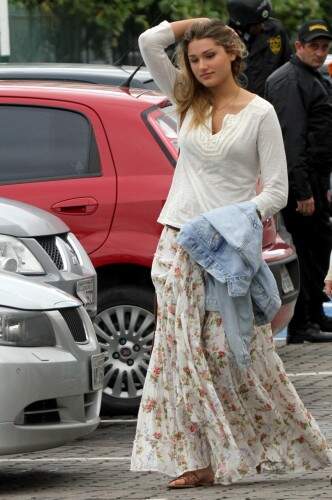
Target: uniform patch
(318,27)
(275,44)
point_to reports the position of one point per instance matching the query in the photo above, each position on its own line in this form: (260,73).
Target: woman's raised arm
(152,44)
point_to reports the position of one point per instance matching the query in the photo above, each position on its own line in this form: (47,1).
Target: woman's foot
(192,479)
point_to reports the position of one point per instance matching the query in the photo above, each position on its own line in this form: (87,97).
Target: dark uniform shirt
(267,50)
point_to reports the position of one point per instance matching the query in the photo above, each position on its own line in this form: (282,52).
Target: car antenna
(126,83)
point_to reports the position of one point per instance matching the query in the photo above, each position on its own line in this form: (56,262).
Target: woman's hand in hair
(180,27)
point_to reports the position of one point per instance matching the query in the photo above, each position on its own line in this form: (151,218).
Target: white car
(51,369)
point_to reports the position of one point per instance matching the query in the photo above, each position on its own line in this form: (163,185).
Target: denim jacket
(227,243)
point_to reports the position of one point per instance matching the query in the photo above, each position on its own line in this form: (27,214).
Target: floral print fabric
(197,408)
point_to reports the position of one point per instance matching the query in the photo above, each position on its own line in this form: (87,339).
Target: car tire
(125,326)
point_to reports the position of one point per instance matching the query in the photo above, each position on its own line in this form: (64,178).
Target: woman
(201,419)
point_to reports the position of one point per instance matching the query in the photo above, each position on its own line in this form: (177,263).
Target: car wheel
(125,326)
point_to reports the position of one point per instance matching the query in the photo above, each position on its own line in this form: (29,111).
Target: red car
(102,159)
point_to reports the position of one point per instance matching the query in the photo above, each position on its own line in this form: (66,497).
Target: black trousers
(312,236)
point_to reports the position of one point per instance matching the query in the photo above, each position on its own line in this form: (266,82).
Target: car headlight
(26,329)
(17,258)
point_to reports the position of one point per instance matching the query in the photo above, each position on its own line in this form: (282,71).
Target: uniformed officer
(266,40)
(302,98)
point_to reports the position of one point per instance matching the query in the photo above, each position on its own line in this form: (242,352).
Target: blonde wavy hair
(188,91)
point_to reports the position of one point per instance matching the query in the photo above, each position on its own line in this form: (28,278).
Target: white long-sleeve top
(214,170)
(329,273)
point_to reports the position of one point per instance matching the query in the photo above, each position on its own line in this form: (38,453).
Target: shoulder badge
(275,44)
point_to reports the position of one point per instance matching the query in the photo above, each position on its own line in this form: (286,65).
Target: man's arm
(320,127)
(286,98)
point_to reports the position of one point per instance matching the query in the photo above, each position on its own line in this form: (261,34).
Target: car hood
(20,292)
(23,220)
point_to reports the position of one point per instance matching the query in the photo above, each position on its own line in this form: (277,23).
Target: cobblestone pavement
(96,467)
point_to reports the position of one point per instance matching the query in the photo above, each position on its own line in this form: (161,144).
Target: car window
(39,143)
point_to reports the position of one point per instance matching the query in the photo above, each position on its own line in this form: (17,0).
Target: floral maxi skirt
(198,408)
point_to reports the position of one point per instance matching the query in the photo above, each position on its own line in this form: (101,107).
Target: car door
(55,155)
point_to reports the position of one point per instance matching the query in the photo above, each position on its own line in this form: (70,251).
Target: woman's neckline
(231,114)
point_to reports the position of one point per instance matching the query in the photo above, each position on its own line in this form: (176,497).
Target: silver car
(105,74)
(51,370)
(37,244)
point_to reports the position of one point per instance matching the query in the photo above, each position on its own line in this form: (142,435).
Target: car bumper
(69,283)
(45,401)
(19,439)
(46,393)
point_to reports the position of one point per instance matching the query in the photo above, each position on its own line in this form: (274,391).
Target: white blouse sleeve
(329,273)
(273,166)
(152,44)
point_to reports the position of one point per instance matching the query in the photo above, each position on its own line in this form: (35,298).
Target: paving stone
(79,479)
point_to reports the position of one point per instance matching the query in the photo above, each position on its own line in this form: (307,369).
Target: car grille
(49,245)
(42,412)
(53,411)
(75,324)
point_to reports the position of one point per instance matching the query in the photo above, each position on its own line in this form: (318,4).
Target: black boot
(310,332)
(324,322)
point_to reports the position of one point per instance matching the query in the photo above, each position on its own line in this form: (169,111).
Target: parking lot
(97,467)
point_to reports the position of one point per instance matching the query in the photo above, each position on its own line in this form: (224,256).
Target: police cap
(246,12)
(315,28)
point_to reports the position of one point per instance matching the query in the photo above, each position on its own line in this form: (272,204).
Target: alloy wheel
(125,333)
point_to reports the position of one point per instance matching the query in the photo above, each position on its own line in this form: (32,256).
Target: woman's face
(209,62)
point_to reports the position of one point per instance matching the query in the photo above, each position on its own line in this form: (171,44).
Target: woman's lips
(206,75)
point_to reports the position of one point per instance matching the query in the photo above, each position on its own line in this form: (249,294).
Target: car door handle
(76,206)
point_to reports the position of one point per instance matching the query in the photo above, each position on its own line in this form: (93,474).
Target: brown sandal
(191,479)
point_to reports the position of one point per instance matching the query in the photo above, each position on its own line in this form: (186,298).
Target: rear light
(329,68)
(269,225)
(269,233)
(161,121)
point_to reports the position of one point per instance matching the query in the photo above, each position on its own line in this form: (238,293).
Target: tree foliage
(103,17)
(105,21)
(295,12)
